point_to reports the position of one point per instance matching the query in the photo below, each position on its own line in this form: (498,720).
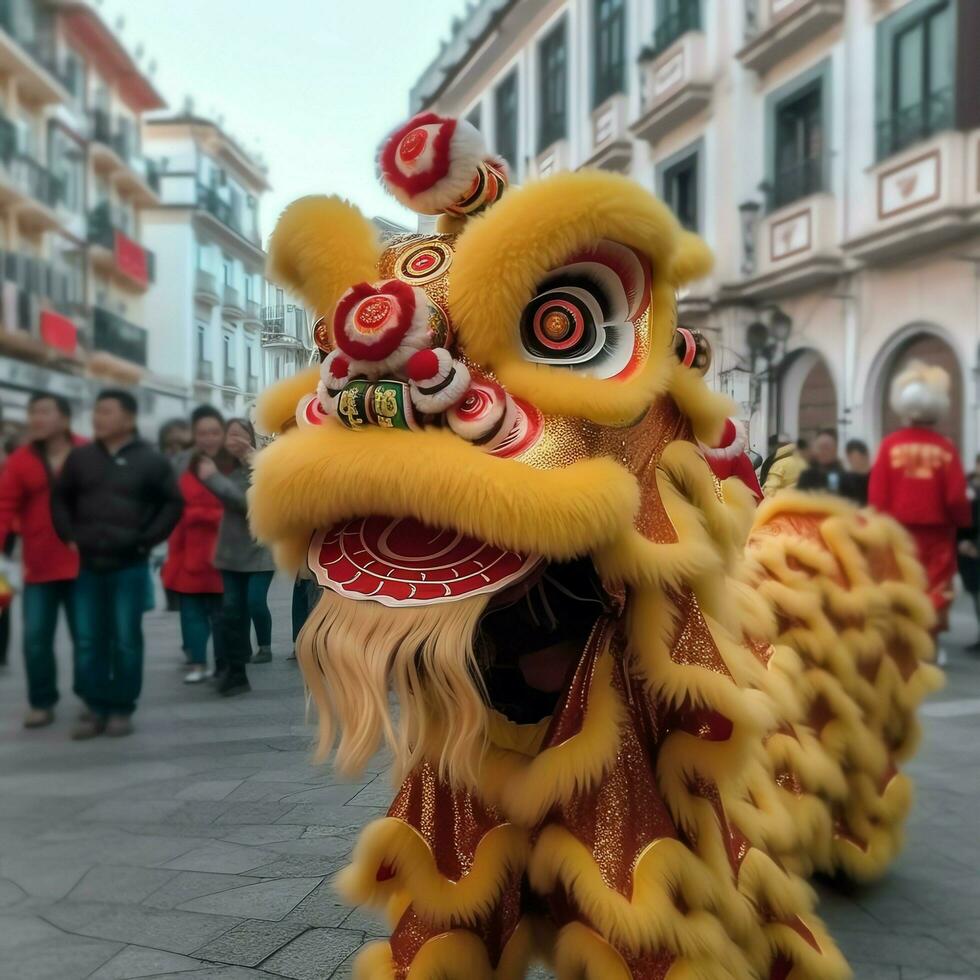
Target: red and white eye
(584,313)
(379,326)
(485,416)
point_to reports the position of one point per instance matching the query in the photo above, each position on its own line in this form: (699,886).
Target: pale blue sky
(313,84)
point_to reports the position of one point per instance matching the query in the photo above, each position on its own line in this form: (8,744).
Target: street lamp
(749,214)
(768,342)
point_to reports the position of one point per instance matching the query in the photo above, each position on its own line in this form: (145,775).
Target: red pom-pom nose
(423,365)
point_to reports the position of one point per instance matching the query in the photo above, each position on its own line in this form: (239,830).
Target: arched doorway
(808,395)
(932,349)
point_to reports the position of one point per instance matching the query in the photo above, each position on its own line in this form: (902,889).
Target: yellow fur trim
(277,405)
(692,259)
(396,845)
(437,478)
(525,787)
(706,409)
(533,230)
(321,247)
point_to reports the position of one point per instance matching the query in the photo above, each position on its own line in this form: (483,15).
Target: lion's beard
(353,652)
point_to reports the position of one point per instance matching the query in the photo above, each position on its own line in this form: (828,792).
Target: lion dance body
(633,710)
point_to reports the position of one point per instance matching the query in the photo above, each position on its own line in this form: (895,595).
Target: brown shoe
(119,725)
(87,728)
(38,717)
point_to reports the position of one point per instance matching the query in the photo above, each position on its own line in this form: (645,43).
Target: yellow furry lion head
(492,399)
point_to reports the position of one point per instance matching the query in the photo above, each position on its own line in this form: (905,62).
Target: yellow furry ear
(322,246)
(692,259)
(276,406)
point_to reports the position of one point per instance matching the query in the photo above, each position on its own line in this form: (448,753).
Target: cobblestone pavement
(202,846)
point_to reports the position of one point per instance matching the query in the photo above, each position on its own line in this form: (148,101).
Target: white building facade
(206,316)
(74,185)
(828,151)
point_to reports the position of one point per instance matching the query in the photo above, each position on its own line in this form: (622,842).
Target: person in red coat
(729,458)
(189,569)
(50,566)
(918,478)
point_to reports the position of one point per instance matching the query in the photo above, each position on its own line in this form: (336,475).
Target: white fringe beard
(352,653)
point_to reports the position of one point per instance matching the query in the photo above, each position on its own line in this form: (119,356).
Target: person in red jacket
(729,457)
(50,566)
(189,569)
(918,478)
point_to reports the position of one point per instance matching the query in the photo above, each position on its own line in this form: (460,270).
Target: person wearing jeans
(50,566)
(189,571)
(115,500)
(246,566)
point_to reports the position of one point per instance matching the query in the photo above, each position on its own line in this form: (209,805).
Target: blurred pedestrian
(189,570)
(826,472)
(115,499)
(50,566)
(858,471)
(246,566)
(917,477)
(968,548)
(174,438)
(782,469)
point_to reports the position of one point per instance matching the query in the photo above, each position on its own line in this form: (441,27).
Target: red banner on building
(59,332)
(131,258)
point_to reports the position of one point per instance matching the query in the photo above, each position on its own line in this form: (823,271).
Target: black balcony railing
(102,227)
(915,123)
(209,199)
(686,17)
(37,180)
(799,180)
(114,335)
(274,318)
(36,283)
(41,49)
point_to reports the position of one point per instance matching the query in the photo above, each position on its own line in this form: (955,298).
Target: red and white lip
(403,562)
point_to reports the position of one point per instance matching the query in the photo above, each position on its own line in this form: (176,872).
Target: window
(680,190)
(202,342)
(229,349)
(228,271)
(248,287)
(609,49)
(505,119)
(553,87)
(799,149)
(916,65)
(475,118)
(674,18)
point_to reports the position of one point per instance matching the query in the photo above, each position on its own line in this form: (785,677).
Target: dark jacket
(836,480)
(237,550)
(115,508)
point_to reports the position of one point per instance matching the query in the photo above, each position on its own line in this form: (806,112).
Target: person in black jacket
(115,499)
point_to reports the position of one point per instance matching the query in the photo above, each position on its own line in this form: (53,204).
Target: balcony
(252,384)
(232,303)
(676,86)
(800,180)
(28,188)
(31,62)
(797,245)
(921,198)
(552,159)
(114,151)
(915,124)
(206,288)
(611,145)
(114,252)
(776,29)
(230,377)
(204,372)
(118,337)
(253,313)
(210,202)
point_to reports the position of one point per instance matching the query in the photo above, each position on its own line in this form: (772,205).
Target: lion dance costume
(918,478)
(632,709)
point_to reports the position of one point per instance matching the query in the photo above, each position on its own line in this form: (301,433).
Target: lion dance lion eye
(583,314)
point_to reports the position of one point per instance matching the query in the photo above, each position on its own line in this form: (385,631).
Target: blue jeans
(109,609)
(199,618)
(245,603)
(41,603)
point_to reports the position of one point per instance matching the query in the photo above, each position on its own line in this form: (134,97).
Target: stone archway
(808,395)
(924,345)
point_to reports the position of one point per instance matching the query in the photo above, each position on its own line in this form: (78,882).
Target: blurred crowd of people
(93,518)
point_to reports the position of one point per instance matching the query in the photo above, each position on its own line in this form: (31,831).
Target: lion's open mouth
(538,615)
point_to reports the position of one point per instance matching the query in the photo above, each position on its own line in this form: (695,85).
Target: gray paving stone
(62,958)
(292,866)
(135,962)
(315,954)
(264,900)
(322,907)
(188,885)
(221,857)
(119,884)
(262,834)
(251,942)
(213,789)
